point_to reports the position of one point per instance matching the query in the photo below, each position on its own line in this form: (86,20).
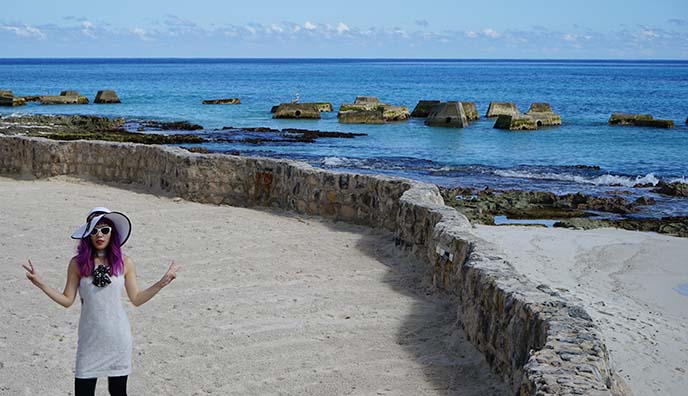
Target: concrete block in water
(545,118)
(627,118)
(225,101)
(502,108)
(395,113)
(516,123)
(58,100)
(448,115)
(540,108)
(366,100)
(644,120)
(107,96)
(423,108)
(362,117)
(295,110)
(7,99)
(69,93)
(471,111)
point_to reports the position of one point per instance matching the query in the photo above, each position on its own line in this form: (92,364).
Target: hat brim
(119,220)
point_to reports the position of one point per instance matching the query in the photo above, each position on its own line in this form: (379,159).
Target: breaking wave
(602,180)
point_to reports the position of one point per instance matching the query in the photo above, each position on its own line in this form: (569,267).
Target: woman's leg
(85,386)
(117,386)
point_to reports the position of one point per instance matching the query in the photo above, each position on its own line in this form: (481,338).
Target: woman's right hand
(32,274)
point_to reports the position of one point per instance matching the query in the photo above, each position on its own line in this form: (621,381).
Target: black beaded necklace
(101,273)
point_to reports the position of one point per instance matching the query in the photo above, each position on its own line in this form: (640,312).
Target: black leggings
(117,386)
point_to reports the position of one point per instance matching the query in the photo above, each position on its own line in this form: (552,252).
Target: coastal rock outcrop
(643,120)
(297,111)
(448,115)
(107,96)
(675,189)
(226,101)
(7,99)
(502,108)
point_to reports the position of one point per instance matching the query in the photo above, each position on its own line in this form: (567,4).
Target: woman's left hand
(170,275)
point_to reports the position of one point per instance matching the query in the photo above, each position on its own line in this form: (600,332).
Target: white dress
(104,346)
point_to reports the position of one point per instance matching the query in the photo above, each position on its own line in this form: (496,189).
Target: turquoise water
(585,93)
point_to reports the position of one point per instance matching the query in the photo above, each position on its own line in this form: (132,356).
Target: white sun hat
(121,222)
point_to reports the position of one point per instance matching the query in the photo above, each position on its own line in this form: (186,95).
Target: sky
(526,29)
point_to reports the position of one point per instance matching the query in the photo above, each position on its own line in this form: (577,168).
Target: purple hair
(85,253)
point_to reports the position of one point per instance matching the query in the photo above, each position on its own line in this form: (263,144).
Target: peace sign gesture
(32,274)
(170,275)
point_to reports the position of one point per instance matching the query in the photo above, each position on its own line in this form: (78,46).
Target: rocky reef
(571,210)
(65,97)
(261,135)
(643,120)
(675,189)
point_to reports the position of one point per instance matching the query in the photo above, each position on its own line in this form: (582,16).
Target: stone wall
(540,343)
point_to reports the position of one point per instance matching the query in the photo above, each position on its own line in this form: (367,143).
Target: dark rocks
(423,108)
(267,135)
(125,136)
(323,107)
(675,189)
(539,115)
(226,101)
(482,206)
(69,93)
(170,126)
(643,120)
(502,108)
(107,96)
(448,115)
(369,110)
(297,111)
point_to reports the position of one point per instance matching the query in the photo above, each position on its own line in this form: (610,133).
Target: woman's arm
(66,298)
(137,296)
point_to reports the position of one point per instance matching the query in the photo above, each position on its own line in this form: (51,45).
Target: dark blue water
(585,93)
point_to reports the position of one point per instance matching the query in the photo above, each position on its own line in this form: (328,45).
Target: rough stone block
(107,96)
(69,93)
(471,111)
(11,101)
(395,113)
(225,101)
(366,100)
(516,123)
(296,111)
(540,108)
(627,118)
(502,108)
(448,115)
(423,108)
(58,100)
(655,123)
(362,117)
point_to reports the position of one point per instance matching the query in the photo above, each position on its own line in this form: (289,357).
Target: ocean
(585,93)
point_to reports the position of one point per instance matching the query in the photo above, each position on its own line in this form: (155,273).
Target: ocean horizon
(584,154)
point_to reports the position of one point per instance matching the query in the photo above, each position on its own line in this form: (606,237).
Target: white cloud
(649,34)
(310,25)
(491,33)
(471,34)
(140,33)
(88,29)
(342,28)
(26,31)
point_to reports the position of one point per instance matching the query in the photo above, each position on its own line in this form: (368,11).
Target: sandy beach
(266,303)
(633,284)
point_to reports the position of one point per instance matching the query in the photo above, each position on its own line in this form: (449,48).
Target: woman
(99,272)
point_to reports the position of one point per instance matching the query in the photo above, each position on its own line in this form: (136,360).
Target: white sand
(628,282)
(266,303)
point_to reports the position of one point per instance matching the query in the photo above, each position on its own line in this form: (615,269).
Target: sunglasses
(104,230)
